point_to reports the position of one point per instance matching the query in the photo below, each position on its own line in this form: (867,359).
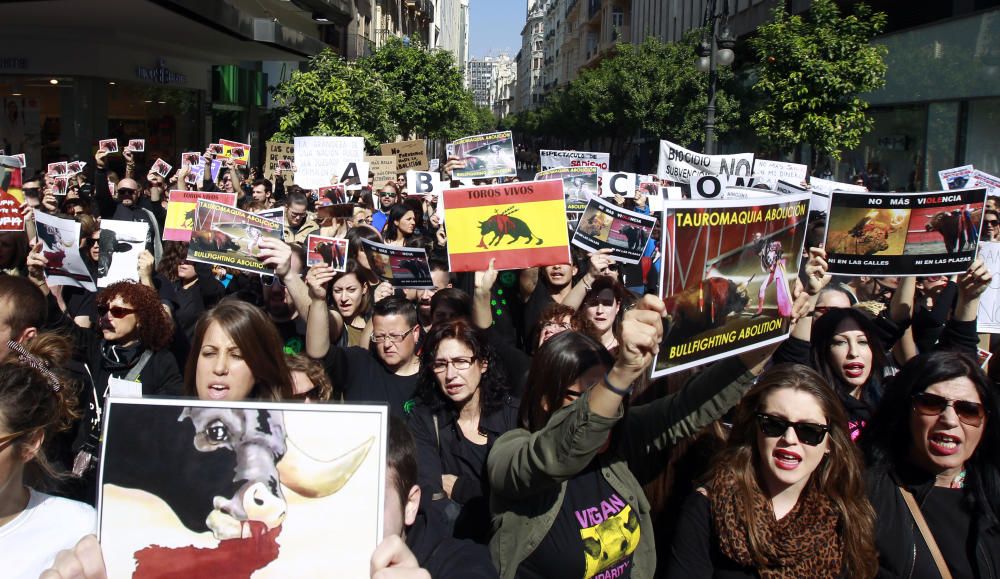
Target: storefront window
(891,155)
(983,141)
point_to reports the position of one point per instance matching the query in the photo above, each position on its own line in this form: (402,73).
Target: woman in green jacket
(567,486)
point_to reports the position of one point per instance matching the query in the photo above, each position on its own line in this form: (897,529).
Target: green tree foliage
(811,71)
(334,97)
(429,100)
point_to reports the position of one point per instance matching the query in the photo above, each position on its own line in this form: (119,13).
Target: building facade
(530,60)
(503,88)
(479,75)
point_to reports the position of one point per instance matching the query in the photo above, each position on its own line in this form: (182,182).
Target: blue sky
(495,25)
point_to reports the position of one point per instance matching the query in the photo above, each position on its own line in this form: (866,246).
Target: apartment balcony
(593,11)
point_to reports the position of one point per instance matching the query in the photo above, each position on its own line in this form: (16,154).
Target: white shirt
(49,524)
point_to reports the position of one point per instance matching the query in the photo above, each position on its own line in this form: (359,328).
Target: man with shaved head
(127,202)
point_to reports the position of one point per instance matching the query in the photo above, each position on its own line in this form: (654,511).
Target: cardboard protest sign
(353,174)
(726,278)
(486,156)
(550,159)
(331,251)
(194,488)
(409,155)
(933,233)
(772,171)
(423,183)
(988,320)
(605,225)
(10,210)
(238,152)
(274,153)
(714,187)
(956,178)
(990,182)
(119,247)
(108,145)
(61,246)
(579,185)
(617,183)
(161,168)
(384,168)
(519,224)
(680,165)
(317,158)
(404,267)
(230,237)
(181,209)
(136,145)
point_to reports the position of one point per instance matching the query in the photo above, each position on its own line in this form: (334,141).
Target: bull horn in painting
(314,478)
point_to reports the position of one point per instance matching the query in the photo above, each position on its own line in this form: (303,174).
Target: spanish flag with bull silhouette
(519,224)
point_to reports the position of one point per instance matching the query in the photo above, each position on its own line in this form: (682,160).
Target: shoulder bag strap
(437,435)
(925,531)
(133,374)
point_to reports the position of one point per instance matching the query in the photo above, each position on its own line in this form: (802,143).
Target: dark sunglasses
(126,191)
(971,413)
(115,311)
(89,242)
(807,432)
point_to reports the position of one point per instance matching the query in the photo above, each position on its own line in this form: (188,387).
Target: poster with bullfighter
(200,489)
(402,267)
(605,225)
(518,224)
(933,233)
(726,277)
(180,211)
(230,237)
(485,156)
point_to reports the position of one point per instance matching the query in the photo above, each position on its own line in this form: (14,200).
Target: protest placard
(384,168)
(617,183)
(332,195)
(181,209)
(771,171)
(423,183)
(190,158)
(680,165)
(136,145)
(403,267)
(274,214)
(74,167)
(353,174)
(579,185)
(605,225)
(727,275)
(486,156)
(60,169)
(274,153)
(60,185)
(108,145)
(551,159)
(331,251)
(230,237)
(119,247)
(317,158)
(410,155)
(990,182)
(934,233)
(519,224)
(988,320)
(10,209)
(61,246)
(238,152)
(161,168)
(823,188)
(225,489)
(957,177)
(22,159)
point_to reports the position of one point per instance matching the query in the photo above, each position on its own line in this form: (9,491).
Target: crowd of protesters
(528,439)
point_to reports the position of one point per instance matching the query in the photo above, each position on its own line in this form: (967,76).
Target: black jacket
(901,548)
(445,557)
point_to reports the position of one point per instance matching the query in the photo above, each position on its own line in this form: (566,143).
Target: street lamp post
(715,50)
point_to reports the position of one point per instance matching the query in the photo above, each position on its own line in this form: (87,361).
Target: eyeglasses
(990,222)
(807,432)
(971,413)
(115,311)
(441,366)
(386,194)
(392,337)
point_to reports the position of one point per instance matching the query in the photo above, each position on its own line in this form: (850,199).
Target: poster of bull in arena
(403,267)
(727,275)
(331,251)
(605,225)
(230,237)
(934,233)
(203,489)
(485,156)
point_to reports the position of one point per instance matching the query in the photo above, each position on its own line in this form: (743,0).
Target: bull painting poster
(119,247)
(202,489)
(580,185)
(519,224)
(181,208)
(727,275)
(932,233)
(61,246)
(230,237)
(331,251)
(486,156)
(605,225)
(402,267)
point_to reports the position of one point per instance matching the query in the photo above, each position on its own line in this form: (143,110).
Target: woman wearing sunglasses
(933,441)
(35,406)
(785,497)
(567,495)
(464,405)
